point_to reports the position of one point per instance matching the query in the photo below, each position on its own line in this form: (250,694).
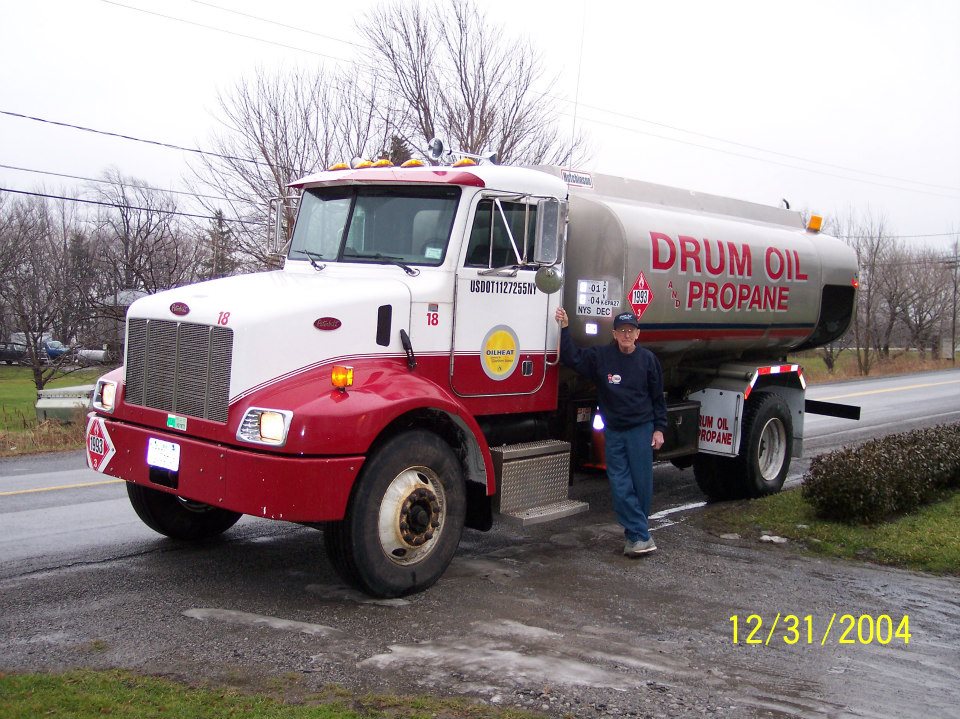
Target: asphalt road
(552,618)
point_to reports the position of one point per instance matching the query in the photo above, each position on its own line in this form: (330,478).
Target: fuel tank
(712,279)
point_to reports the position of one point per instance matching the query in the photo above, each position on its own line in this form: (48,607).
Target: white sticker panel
(594,299)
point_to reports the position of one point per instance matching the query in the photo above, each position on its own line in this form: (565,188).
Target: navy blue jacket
(629,386)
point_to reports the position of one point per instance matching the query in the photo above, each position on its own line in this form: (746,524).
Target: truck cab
(359,388)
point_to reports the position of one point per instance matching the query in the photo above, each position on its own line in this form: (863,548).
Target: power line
(754,147)
(109,182)
(120,206)
(616,113)
(771,162)
(279,24)
(222,30)
(131,137)
(599,109)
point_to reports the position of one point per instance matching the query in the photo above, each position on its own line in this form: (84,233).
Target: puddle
(247,619)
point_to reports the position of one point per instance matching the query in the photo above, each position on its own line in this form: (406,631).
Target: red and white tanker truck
(397,380)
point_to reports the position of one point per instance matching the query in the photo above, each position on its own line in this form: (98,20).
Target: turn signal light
(342,377)
(856,283)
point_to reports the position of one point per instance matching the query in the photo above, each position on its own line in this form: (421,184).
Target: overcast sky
(835,105)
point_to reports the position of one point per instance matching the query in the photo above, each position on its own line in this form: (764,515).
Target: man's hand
(657,441)
(561,317)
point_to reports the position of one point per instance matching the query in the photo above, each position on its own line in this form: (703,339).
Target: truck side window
(481,237)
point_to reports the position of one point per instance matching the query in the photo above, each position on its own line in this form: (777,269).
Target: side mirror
(549,279)
(435,149)
(551,225)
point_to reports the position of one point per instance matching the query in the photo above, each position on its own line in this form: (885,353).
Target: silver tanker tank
(712,278)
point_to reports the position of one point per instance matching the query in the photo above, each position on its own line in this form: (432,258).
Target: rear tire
(764,460)
(405,518)
(767,445)
(716,477)
(176,517)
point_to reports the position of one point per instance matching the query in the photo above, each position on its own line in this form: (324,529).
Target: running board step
(546,512)
(533,481)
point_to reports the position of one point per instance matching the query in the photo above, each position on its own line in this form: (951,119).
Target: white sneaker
(639,548)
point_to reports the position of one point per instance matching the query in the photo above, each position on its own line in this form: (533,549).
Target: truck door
(502,319)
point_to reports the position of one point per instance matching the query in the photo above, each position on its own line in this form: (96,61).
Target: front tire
(176,517)
(405,518)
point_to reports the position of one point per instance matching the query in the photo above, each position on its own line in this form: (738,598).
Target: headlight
(104,395)
(265,426)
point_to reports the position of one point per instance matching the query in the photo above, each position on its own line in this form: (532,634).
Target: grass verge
(902,362)
(87,694)
(20,432)
(926,540)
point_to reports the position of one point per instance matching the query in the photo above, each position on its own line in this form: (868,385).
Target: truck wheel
(764,459)
(716,477)
(176,517)
(766,446)
(405,518)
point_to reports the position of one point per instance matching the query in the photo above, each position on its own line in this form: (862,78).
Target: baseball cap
(626,318)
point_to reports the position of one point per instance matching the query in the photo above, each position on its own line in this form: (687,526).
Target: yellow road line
(62,486)
(890,389)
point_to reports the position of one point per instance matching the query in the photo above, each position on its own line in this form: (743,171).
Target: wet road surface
(551,618)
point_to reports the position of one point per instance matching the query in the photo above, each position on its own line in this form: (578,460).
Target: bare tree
(891,288)
(142,246)
(279,128)
(35,286)
(460,76)
(869,238)
(926,297)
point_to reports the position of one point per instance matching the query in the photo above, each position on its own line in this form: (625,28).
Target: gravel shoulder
(552,618)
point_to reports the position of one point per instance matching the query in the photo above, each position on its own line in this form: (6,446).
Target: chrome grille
(179,367)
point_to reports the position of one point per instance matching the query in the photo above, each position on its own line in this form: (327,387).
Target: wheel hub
(419,517)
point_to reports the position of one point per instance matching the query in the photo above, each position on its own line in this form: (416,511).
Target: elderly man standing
(629,383)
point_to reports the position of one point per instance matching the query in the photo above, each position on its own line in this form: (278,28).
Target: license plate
(165,455)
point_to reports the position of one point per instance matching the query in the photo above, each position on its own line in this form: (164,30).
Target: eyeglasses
(627,330)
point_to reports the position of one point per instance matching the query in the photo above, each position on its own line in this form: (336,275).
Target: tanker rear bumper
(295,489)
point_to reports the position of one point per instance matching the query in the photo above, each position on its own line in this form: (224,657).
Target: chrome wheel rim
(772,450)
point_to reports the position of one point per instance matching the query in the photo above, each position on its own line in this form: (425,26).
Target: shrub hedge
(884,477)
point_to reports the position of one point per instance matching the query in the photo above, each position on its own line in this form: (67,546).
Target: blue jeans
(630,470)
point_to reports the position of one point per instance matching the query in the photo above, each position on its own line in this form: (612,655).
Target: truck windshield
(373,224)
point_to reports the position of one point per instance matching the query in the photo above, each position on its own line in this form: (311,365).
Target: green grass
(900,362)
(19,395)
(926,540)
(85,694)
(20,432)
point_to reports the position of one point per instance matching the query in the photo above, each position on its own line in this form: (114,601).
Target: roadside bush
(884,477)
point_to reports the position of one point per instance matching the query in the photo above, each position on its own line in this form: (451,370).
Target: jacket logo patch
(613,379)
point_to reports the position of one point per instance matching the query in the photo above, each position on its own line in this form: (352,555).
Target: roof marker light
(413,163)
(383,162)
(814,223)
(464,162)
(339,166)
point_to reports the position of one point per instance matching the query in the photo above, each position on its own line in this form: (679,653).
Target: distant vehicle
(54,348)
(12,352)
(86,357)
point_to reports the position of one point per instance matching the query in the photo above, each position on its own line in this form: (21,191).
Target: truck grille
(179,367)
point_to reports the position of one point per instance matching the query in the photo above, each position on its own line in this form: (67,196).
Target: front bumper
(258,483)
